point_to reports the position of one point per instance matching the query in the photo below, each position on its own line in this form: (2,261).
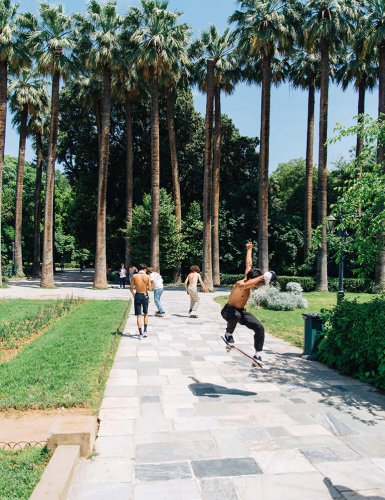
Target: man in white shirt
(157,285)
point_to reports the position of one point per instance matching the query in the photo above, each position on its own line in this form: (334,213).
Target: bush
(272,298)
(307,282)
(353,340)
(356,285)
(230,279)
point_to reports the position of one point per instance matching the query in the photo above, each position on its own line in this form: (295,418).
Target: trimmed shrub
(230,279)
(353,340)
(272,298)
(307,282)
(356,285)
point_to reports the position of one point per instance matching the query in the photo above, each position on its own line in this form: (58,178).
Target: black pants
(233,316)
(122,282)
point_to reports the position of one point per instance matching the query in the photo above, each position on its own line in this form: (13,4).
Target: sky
(288,105)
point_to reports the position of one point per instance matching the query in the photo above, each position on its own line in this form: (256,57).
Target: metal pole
(341,293)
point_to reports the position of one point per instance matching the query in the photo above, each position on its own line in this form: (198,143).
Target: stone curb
(57,477)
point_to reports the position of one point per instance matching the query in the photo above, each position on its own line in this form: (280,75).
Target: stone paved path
(184,420)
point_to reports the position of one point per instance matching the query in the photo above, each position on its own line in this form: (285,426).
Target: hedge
(353,340)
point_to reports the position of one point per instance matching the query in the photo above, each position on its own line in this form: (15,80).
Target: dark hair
(253,273)
(142,267)
(194,269)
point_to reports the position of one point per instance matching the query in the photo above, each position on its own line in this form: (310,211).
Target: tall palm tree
(50,38)
(265,28)
(8,30)
(160,42)
(304,73)
(28,95)
(359,66)
(100,31)
(375,24)
(38,127)
(221,49)
(328,26)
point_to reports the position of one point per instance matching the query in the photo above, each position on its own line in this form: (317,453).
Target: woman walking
(157,284)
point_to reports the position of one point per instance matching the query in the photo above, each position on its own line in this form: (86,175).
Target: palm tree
(7,52)
(328,26)
(375,30)
(28,95)
(160,42)
(38,127)
(50,38)
(304,73)
(100,32)
(221,49)
(264,28)
(359,66)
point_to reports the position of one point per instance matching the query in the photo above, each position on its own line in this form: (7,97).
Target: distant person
(62,264)
(122,276)
(81,266)
(157,284)
(191,286)
(131,271)
(234,311)
(140,286)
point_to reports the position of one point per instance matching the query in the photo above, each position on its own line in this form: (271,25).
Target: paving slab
(183,419)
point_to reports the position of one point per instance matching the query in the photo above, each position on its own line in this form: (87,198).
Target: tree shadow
(334,490)
(215,391)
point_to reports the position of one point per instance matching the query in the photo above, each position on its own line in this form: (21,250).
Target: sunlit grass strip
(20,471)
(62,367)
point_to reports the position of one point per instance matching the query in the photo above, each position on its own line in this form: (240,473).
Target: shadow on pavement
(215,391)
(335,489)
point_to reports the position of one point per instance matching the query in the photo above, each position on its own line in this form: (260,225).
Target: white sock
(258,353)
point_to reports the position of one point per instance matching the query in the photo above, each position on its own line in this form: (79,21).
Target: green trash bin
(313,324)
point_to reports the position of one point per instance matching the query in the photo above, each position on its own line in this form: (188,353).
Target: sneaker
(258,359)
(229,338)
(145,335)
(190,311)
(193,315)
(140,336)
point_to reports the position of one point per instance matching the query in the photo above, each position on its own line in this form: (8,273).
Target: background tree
(8,47)
(264,28)
(304,73)
(328,26)
(50,38)
(28,95)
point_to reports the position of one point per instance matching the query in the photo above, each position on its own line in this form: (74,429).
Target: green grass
(16,309)
(20,471)
(288,325)
(62,368)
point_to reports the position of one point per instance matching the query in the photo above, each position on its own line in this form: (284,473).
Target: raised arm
(253,283)
(249,257)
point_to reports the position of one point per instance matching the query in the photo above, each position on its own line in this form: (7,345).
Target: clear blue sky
(288,106)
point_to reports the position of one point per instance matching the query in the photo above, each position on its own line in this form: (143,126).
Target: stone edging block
(74,431)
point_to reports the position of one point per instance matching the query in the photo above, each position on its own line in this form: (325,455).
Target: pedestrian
(157,285)
(234,311)
(62,264)
(142,284)
(122,276)
(191,286)
(131,271)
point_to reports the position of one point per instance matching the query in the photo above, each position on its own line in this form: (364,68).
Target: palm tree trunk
(47,280)
(37,207)
(322,271)
(98,119)
(3,118)
(263,178)
(309,169)
(130,176)
(155,170)
(100,277)
(360,113)
(216,186)
(174,169)
(207,179)
(380,261)
(19,193)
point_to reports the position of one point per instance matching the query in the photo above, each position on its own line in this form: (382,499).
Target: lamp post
(331,223)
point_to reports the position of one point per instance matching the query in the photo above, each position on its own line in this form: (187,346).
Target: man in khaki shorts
(142,284)
(191,286)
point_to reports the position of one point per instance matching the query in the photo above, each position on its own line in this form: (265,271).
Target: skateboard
(231,346)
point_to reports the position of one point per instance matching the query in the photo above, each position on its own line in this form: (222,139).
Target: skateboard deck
(231,346)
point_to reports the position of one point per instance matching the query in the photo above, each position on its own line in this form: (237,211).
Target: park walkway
(183,420)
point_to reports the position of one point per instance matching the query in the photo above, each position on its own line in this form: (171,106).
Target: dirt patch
(34,425)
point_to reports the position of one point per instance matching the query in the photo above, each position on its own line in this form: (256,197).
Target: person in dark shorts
(142,284)
(234,311)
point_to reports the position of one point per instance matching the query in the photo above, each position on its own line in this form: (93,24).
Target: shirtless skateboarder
(234,311)
(191,286)
(142,284)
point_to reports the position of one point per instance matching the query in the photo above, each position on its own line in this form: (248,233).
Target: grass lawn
(20,471)
(62,367)
(15,309)
(288,325)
